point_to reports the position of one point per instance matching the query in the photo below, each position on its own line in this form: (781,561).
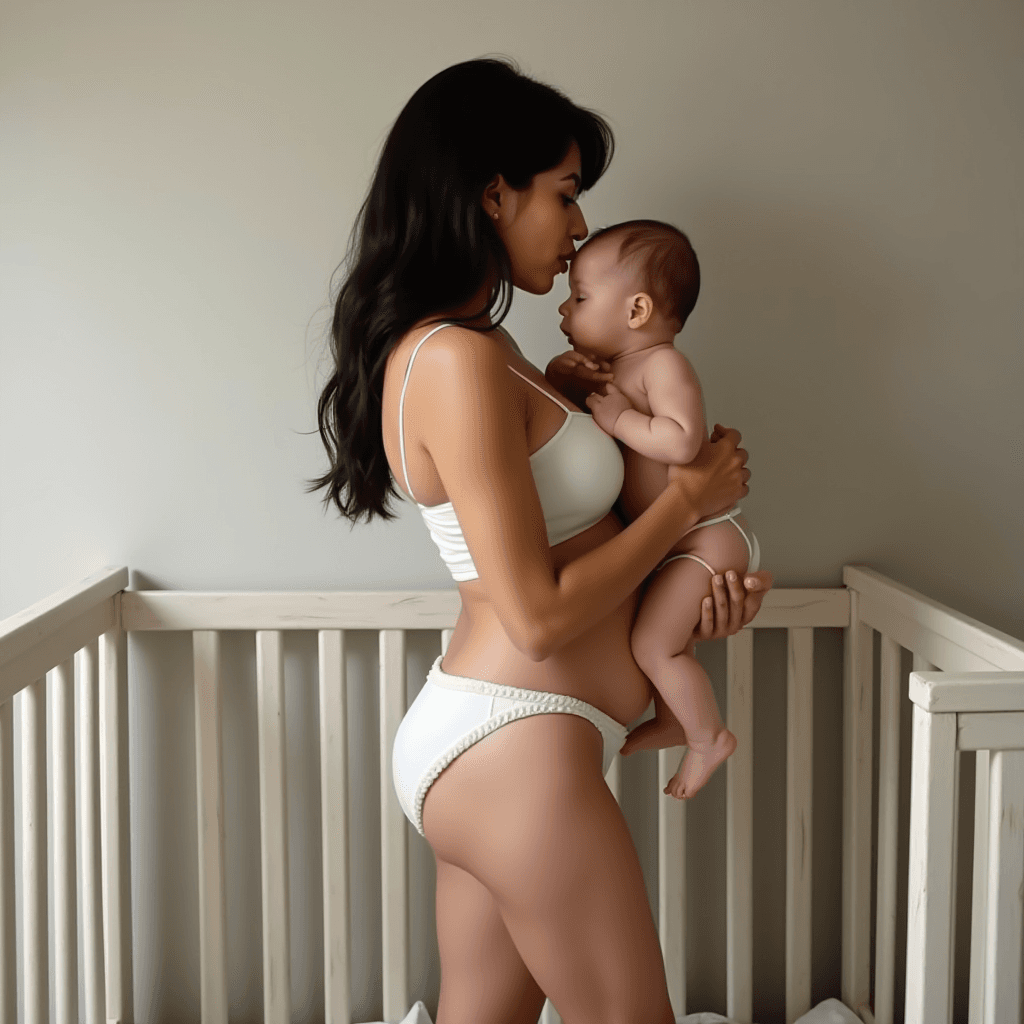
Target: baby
(632,287)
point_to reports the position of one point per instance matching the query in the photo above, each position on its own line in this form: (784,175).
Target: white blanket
(831,1011)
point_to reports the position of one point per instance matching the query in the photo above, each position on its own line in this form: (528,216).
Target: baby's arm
(577,375)
(675,431)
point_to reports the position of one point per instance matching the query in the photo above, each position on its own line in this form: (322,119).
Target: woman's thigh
(483,977)
(527,813)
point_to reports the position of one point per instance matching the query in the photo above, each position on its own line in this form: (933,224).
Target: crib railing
(86,619)
(95,617)
(983,712)
(940,639)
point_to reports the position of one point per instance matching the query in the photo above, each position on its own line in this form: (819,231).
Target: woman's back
(597,666)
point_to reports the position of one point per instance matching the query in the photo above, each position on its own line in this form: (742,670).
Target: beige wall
(177,183)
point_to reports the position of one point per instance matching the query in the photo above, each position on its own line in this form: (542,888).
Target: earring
(495,216)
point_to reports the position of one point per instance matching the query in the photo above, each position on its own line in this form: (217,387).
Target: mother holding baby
(500,760)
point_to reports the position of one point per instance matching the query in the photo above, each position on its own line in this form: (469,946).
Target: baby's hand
(607,408)
(581,367)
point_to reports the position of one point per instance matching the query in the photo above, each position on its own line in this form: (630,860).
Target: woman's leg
(483,977)
(528,814)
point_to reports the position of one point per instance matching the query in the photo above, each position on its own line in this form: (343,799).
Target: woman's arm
(474,428)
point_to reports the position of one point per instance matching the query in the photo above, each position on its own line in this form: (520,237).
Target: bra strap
(401,406)
(540,389)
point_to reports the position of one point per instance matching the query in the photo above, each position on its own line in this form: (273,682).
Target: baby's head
(631,285)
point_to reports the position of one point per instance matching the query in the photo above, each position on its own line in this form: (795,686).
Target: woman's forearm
(591,587)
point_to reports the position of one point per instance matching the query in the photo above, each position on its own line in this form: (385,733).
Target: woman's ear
(499,200)
(491,200)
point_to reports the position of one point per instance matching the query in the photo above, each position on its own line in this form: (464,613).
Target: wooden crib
(967,685)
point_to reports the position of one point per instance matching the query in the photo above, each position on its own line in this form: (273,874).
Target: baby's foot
(699,764)
(653,734)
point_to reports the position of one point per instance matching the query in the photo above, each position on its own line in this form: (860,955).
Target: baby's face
(595,315)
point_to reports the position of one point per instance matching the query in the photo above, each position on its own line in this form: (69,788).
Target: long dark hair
(423,243)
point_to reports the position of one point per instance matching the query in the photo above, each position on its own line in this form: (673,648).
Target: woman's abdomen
(597,666)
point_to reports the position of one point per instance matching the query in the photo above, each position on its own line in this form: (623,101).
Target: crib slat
(1005,884)
(334,831)
(65,939)
(672,880)
(394,838)
(739,812)
(213,986)
(110,714)
(888,808)
(930,886)
(857,699)
(799,772)
(548,1014)
(8,990)
(273,827)
(88,818)
(33,850)
(979,900)
(614,778)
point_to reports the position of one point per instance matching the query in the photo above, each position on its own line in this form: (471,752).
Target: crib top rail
(35,640)
(948,639)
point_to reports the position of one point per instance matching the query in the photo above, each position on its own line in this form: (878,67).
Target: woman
(498,761)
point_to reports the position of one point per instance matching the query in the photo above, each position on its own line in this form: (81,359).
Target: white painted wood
(182,610)
(273,826)
(672,879)
(930,886)
(33,662)
(990,730)
(888,810)
(967,691)
(89,880)
(116,935)
(803,606)
(334,828)
(549,1015)
(739,825)
(1004,952)
(8,990)
(614,778)
(979,900)
(213,917)
(25,630)
(65,918)
(880,594)
(857,706)
(394,832)
(799,831)
(33,852)
(429,609)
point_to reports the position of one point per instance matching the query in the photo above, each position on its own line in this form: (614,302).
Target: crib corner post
(115,835)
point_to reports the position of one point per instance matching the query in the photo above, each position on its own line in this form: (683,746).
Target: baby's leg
(662,647)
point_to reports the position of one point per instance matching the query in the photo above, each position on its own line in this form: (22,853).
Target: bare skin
(539,889)
(651,401)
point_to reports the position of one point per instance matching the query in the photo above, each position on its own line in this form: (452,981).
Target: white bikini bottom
(451,713)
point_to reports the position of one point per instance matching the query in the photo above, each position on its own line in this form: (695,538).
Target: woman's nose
(578,226)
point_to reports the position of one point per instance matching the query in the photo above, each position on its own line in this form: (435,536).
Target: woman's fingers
(758,584)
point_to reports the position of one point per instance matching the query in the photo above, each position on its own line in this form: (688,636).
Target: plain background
(177,184)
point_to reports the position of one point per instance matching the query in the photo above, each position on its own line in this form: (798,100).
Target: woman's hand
(717,477)
(734,603)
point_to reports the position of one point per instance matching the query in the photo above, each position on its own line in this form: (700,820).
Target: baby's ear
(641,309)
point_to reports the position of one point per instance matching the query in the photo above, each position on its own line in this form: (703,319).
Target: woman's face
(539,224)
